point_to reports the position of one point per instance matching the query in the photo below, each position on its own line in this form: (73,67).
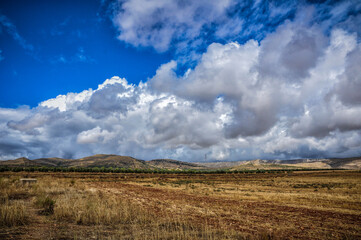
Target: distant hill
(102,160)
(116,161)
(24,162)
(331,163)
(173,164)
(52,162)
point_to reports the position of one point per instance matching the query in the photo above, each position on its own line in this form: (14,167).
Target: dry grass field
(286,205)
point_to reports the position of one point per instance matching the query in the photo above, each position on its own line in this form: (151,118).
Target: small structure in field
(28,181)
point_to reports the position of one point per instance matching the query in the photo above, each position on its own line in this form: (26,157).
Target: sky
(180,79)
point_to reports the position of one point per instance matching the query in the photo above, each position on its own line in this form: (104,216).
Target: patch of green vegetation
(181,182)
(317,185)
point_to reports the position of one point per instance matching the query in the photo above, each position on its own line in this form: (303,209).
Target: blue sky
(54,47)
(232,79)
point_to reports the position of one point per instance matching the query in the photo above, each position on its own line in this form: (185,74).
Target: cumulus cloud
(185,25)
(93,136)
(294,49)
(157,23)
(294,93)
(348,88)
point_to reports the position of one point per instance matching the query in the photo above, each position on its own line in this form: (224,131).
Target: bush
(46,203)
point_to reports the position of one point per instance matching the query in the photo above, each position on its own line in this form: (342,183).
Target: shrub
(46,203)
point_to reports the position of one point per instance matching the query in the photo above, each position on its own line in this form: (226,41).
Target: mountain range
(326,163)
(102,160)
(116,161)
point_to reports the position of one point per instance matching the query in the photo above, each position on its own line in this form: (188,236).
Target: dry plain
(279,205)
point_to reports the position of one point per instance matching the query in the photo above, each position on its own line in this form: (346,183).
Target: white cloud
(187,26)
(94,135)
(64,102)
(13,114)
(293,94)
(157,23)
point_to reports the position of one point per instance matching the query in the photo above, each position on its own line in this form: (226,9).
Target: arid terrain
(276,205)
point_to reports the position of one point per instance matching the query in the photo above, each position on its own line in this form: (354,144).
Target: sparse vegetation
(12,214)
(250,205)
(154,171)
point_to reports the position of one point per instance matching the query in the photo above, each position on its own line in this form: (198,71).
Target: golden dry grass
(298,205)
(12,211)
(12,214)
